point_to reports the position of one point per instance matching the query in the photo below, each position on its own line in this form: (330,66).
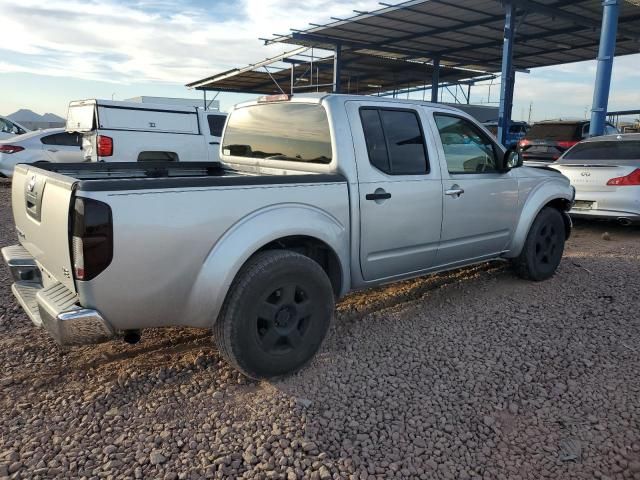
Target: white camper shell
(121,131)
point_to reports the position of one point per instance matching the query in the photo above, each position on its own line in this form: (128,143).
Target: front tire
(543,247)
(276,314)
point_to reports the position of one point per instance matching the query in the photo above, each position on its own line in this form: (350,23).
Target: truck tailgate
(41,205)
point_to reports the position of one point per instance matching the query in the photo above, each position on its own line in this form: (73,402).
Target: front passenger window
(466,148)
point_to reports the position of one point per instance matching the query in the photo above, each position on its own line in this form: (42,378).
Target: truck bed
(178,232)
(94,177)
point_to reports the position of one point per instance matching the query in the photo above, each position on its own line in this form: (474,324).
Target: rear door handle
(52,150)
(378,195)
(454,191)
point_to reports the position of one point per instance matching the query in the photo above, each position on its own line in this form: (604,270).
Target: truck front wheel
(543,247)
(276,314)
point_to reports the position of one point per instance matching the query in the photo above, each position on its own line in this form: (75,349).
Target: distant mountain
(29,116)
(52,117)
(25,115)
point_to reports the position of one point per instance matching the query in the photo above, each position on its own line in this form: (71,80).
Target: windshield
(297,132)
(605,150)
(553,131)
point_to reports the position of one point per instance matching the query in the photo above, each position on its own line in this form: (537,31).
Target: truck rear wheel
(276,314)
(543,247)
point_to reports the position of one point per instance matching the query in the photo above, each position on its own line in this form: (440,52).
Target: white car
(9,128)
(605,172)
(50,145)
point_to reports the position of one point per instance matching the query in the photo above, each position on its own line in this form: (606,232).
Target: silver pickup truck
(316,196)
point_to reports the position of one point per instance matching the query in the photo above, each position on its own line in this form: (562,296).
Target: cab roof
(342,98)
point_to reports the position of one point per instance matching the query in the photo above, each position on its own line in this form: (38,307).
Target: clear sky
(61,50)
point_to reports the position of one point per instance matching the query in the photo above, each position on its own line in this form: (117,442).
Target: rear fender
(249,235)
(544,194)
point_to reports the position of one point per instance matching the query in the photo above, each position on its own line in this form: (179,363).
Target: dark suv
(546,141)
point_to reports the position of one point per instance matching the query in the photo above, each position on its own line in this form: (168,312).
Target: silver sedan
(605,172)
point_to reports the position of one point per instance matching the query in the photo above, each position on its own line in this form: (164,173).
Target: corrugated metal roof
(469,33)
(394,47)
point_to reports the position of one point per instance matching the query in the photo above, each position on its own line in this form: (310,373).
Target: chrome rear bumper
(55,307)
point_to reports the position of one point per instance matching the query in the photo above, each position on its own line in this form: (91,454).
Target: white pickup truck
(318,195)
(121,131)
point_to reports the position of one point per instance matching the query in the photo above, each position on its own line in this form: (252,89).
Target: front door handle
(53,150)
(378,195)
(454,191)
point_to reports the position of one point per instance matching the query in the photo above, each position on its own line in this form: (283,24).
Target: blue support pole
(610,12)
(435,80)
(337,67)
(508,74)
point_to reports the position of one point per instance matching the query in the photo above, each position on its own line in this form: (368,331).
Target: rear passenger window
(67,139)
(395,142)
(216,124)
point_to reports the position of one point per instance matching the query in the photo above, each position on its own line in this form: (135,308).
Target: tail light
(523,143)
(632,179)
(92,239)
(10,148)
(566,144)
(105,146)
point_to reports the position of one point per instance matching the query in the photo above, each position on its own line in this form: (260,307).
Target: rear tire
(543,247)
(276,314)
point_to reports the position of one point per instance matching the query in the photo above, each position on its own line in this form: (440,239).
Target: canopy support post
(293,66)
(508,74)
(606,52)
(435,80)
(337,65)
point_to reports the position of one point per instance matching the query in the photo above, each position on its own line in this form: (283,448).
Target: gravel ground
(473,374)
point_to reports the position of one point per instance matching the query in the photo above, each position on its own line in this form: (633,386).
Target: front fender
(246,237)
(537,199)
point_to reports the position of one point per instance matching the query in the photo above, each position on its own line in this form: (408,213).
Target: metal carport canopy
(360,74)
(470,33)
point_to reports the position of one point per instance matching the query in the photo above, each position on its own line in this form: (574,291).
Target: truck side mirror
(512,159)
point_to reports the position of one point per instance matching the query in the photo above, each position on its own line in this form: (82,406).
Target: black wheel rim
(283,319)
(547,245)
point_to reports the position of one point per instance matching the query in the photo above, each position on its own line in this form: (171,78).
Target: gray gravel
(469,375)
